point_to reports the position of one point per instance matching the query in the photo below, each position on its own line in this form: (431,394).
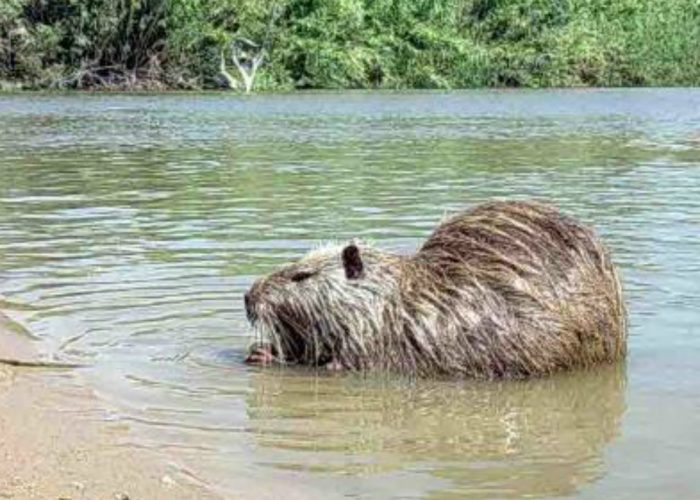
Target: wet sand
(57,442)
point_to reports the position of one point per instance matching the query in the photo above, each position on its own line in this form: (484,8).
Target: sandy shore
(57,442)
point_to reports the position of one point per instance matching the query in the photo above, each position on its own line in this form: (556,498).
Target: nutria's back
(507,289)
(540,290)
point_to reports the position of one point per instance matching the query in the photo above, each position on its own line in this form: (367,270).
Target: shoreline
(56,439)
(17,91)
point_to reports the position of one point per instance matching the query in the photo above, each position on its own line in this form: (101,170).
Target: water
(130,226)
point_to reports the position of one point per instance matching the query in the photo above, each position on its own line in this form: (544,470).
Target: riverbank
(56,440)
(181,44)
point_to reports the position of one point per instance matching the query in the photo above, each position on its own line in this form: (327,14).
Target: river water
(130,227)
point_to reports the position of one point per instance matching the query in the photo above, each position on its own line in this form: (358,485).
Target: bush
(352,43)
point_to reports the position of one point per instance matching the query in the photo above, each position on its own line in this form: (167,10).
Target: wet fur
(507,289)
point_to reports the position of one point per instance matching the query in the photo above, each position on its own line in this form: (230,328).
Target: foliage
(352,43)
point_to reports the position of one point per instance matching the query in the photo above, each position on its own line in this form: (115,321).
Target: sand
(57,440)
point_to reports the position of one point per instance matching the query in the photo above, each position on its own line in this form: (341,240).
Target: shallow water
(130,226)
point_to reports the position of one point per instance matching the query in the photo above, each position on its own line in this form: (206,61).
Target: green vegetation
(349,43)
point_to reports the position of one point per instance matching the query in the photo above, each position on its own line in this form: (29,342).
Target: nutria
(507,289)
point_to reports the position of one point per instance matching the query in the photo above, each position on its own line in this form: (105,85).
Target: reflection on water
(130,226)
(507,439)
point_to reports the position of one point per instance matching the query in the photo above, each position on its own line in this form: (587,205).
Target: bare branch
(229,80)
(246,62)
(248,56)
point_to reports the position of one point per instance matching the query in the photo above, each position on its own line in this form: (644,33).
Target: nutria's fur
(507,289)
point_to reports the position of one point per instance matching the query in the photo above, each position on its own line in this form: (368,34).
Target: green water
(130,227)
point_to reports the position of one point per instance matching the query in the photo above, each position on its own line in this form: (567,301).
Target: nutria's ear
(352,262)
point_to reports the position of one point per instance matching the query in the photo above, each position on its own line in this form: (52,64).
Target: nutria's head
(325,307)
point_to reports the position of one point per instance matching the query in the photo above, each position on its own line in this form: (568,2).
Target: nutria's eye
(301,276)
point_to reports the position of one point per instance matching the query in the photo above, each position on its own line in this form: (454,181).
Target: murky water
(130,226)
